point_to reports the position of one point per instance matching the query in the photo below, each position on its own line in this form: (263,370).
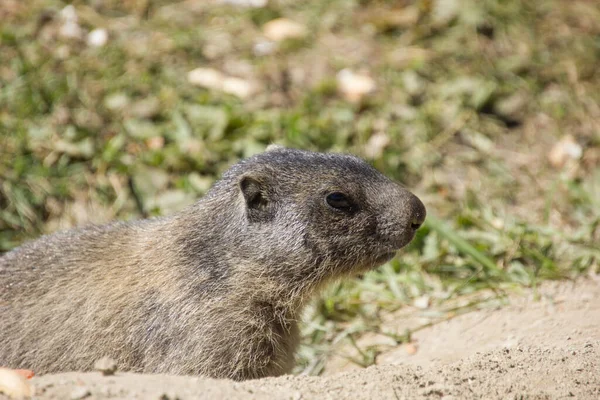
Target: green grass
(470,112)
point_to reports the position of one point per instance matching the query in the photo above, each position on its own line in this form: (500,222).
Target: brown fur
(214,290)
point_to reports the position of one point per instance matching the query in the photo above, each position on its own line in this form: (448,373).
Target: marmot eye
(339,201)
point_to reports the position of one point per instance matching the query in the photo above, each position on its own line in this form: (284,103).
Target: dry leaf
(212,79)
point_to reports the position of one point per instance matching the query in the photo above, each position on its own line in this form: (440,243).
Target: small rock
(422,302)
(79,393)
(565,150)
(28,374)
(206,77)
(238,87)
(296,396)
(282,28)
(444,11)
(14,385)
(106,365)
(497,223)
(97,38)
(354,86)
(70,28)
(69,13)
(411,348)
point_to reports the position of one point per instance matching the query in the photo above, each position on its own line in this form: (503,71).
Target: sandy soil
(547,348)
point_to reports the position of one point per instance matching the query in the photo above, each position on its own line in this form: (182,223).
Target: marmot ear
(256,198)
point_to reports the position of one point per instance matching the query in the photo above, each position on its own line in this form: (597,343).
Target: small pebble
(26,373)
(206,77)
(80,392)
(412,348)
(97,38)
(566,149)
(14,385)
(71,30)
(70,27)
(422,302)
(282,28)
(238,87)
(354,86)
(106,365)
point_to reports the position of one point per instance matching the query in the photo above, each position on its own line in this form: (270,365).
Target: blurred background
(489,110)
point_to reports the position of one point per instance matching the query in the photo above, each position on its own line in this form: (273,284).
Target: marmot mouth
(373,263)
(385,257)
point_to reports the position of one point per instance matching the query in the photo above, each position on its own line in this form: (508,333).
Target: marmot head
(321,215)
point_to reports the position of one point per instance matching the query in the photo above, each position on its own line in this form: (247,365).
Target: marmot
(214,290)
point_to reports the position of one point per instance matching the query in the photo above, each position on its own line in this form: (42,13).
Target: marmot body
(214,290)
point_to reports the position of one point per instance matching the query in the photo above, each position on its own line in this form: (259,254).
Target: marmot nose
(417,212)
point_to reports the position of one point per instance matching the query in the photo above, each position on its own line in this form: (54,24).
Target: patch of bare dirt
(545,345)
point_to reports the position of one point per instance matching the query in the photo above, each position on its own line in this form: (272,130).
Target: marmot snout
(216,289)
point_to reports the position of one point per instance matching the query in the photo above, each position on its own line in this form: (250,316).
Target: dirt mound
(547,348)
